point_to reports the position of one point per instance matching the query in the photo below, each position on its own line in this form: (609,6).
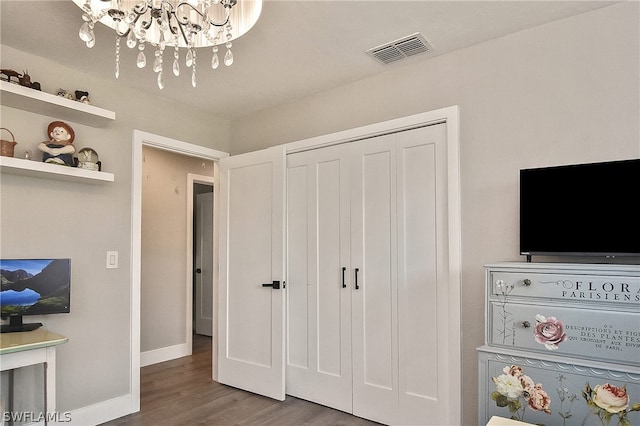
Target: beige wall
(49,218)
(565,92)
(164,246)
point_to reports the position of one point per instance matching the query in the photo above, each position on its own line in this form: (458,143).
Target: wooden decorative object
(7,146)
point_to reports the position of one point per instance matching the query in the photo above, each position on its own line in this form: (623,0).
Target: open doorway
(202,247)
(138,351)
(167,267)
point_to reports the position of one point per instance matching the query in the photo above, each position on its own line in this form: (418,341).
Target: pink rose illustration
(549,332)
(539,400)
(611,398)
(517,391)
(608,401)
(514,370)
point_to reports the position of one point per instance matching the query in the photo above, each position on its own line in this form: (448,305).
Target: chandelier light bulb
(189,24)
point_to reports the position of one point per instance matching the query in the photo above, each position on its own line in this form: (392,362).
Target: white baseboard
(164,354)
(97,413)
(123,405)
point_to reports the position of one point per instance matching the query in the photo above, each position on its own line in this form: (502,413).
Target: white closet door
(318,297)
(400,311)
(423,305)
(373,248)
(251,322)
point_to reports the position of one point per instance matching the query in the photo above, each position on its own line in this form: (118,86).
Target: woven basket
(6,147)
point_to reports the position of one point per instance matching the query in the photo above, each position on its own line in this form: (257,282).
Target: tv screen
(33,287)
(583,209)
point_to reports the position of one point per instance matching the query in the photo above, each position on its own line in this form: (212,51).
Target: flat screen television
(33,287)
(581,210)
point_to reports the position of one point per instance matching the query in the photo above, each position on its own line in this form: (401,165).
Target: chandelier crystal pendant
(186,25)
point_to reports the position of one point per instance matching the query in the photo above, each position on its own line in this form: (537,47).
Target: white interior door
(424,305)
(319,286)
(367,343)
(401,307)
(203,264)
(373,257)
(251,321)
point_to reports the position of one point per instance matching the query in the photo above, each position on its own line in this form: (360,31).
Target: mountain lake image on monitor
(33,287)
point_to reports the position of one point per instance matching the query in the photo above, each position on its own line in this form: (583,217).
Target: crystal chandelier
(162,24)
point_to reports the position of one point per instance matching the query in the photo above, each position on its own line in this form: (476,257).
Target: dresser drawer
(573,287)
(560,392)
(611,336)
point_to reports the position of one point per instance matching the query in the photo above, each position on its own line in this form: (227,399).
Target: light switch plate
(112,260)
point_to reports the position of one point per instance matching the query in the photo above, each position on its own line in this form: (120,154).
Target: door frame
(140,139)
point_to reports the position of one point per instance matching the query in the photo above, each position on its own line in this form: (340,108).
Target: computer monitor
(33,287)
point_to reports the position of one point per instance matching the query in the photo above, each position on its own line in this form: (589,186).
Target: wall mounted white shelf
(24,98)
(18,166)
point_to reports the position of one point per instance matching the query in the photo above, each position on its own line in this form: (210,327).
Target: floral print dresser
(562,344)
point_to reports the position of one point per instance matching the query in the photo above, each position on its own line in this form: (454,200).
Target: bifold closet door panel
(319,302)
(367,270)
(373,259)
(422,269)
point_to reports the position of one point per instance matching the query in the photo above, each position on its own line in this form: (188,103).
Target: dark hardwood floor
(181,392)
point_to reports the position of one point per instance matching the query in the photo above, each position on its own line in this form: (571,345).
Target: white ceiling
(296,49)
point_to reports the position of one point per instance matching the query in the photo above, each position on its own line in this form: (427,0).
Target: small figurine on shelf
(7,74)
(25,80)
(59,148)
(21,79)
(63,93)
(82,96)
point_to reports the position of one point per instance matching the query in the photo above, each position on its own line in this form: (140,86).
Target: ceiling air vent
(400,49)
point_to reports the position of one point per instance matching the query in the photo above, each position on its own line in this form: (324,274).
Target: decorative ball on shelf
(59,148)
(88,159)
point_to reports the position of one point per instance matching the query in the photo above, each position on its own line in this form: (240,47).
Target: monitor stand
(16,325)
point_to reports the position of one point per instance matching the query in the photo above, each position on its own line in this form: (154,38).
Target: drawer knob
(526,282)
(526,324)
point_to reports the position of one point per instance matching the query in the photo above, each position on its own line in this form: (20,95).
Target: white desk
(29,348)
(501,421)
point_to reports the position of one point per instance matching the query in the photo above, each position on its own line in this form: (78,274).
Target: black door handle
(344,284)
(275,285)
(356,282)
